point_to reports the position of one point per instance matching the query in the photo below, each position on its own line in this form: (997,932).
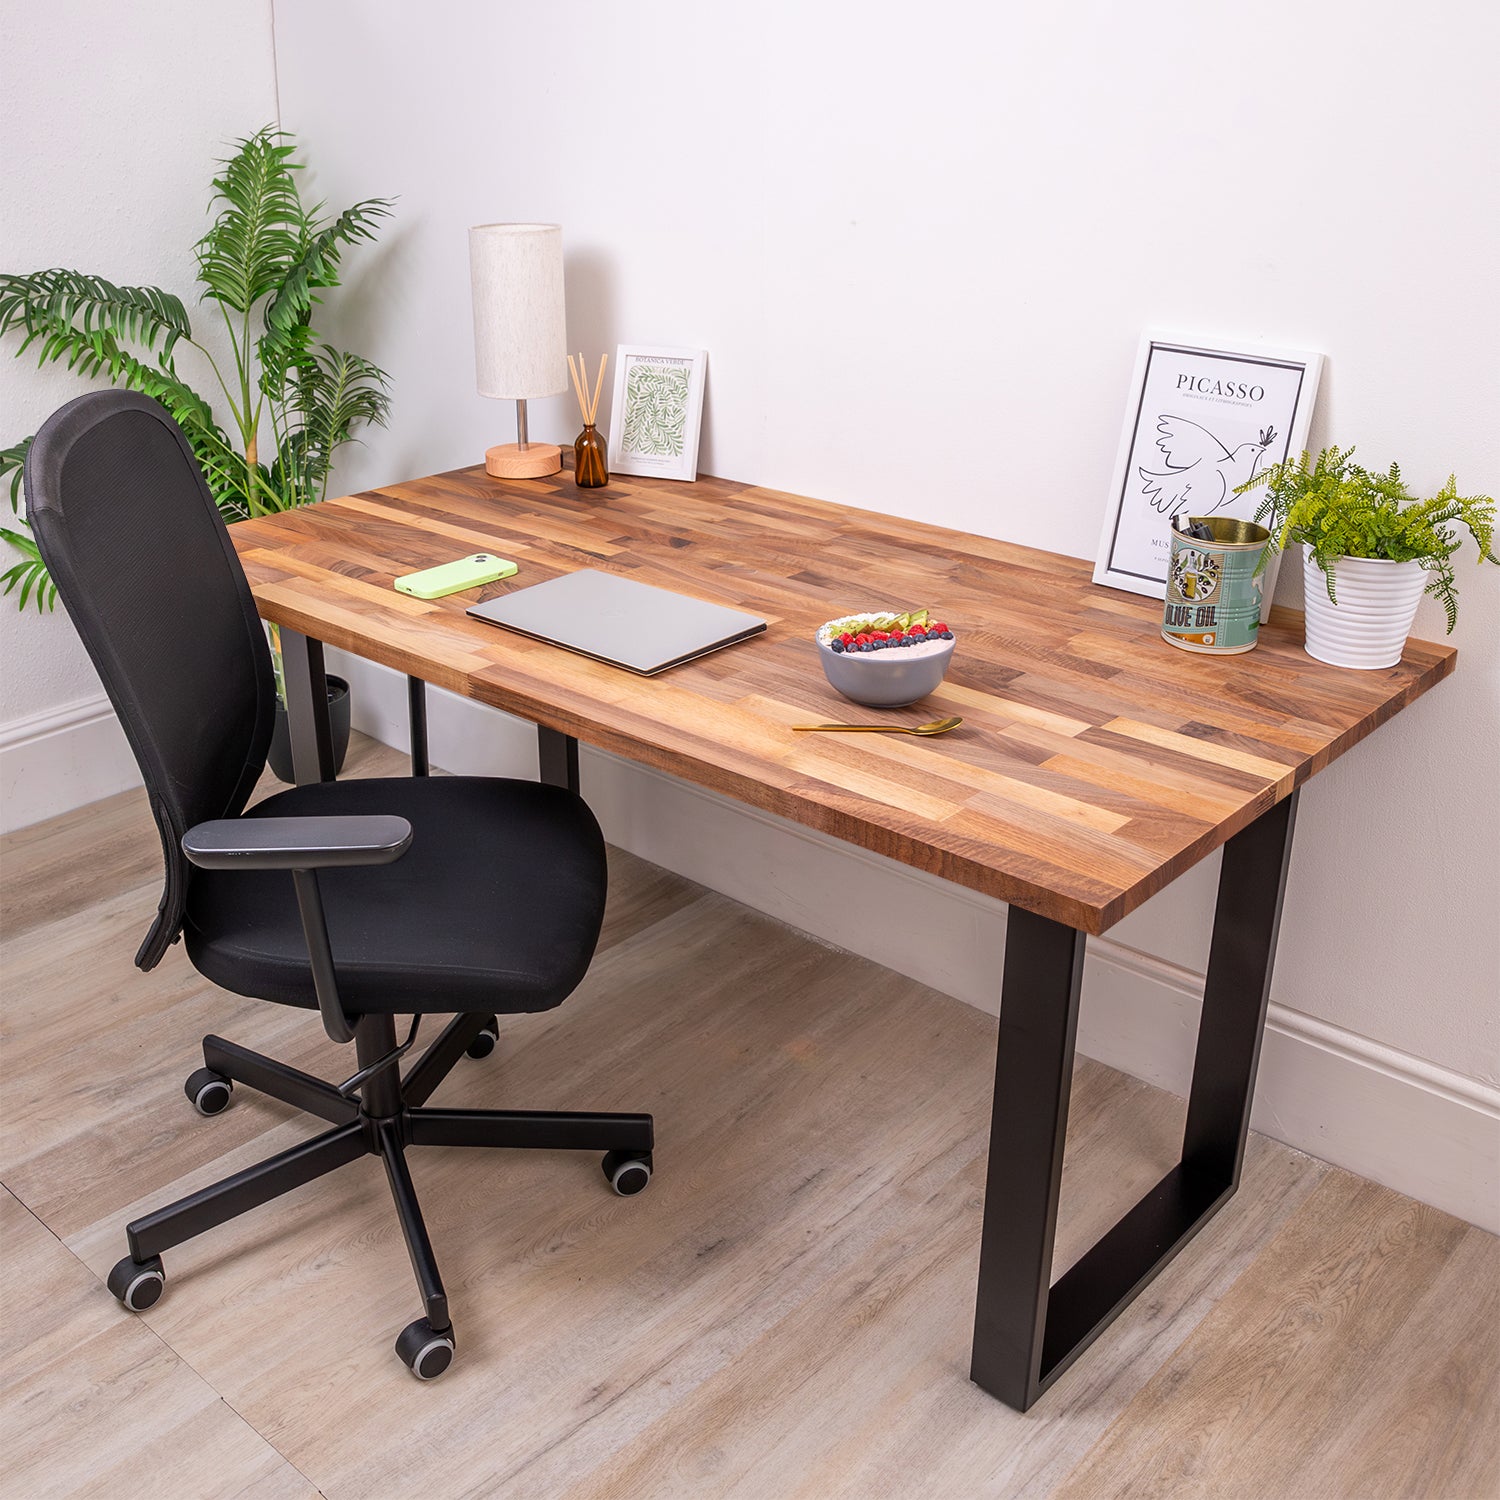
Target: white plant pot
(1377,601)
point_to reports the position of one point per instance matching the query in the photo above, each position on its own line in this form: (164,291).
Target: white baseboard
(1397,1119)
(61,759)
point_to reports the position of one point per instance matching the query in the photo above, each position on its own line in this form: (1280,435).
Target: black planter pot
(281,737)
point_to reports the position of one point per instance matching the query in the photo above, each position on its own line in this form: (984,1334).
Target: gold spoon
(938,726)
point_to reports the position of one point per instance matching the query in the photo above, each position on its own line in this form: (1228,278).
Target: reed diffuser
(590,470)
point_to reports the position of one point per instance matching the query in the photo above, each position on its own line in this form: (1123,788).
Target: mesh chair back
(145,567)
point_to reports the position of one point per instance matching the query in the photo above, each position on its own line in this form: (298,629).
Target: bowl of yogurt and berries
(883,658)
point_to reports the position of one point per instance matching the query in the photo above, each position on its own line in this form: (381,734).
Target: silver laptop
(619,621)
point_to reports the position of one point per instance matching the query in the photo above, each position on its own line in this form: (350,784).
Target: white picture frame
(1202,419)
(657,415)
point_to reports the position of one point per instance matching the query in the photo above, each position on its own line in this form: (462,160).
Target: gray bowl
(885,679)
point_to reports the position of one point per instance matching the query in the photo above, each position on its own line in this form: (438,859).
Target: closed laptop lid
(618,620)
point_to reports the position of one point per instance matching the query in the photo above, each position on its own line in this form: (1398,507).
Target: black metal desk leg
(307,707)
(557,757)
(1028,1124)
(1027,1333)
(1247,921)
(416,702)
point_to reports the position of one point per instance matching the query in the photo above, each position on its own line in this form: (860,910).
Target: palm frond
(343,392)
(30,575)
(317,261)
(49,305)
(283,351)
(13,462)
(334,393)
(261,226)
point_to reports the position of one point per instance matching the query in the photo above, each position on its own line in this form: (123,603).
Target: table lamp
(520,335)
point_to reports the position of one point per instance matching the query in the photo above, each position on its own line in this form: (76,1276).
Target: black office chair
(364,900)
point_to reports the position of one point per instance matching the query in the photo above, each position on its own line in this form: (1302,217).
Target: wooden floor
(784,1313)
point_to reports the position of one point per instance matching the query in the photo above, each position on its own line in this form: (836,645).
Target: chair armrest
(296,843)
(304,846)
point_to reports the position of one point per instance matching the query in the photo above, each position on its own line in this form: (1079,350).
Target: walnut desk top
(1095,763)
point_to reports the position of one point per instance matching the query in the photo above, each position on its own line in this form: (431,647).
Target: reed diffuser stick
(598,387)
(580,384)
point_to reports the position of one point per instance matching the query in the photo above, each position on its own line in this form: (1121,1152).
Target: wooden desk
(1096,763)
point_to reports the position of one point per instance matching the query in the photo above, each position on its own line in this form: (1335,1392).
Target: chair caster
(137,1284)
(425,1353)
(627,1172)
(486,1041)
(209,1092)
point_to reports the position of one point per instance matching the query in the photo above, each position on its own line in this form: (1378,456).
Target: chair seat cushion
(496,906)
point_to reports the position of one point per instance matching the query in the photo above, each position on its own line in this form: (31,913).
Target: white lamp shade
(520,332)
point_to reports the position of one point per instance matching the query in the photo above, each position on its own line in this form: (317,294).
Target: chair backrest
(144,565)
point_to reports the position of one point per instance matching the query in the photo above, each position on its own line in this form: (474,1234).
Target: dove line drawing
(1201,474)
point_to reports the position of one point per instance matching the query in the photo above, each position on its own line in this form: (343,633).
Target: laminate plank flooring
(785,1312)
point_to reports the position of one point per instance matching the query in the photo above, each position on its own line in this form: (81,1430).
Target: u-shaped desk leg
(1027,1329)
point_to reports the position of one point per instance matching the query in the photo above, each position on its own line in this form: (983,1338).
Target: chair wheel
(627,1172)
(137,1283)
(424,1352)
(486,1041)
(209,1092)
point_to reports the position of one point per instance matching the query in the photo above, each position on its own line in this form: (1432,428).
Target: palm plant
(293,400)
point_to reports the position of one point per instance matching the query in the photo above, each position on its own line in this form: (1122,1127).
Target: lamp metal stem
(521,425)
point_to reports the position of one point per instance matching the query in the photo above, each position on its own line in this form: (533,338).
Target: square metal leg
(557,757)
(308,723)
(416,703)
(1028,1331)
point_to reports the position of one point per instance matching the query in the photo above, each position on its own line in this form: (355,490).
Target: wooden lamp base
(512,461)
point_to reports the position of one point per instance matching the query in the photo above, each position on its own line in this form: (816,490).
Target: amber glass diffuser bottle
(590,462)
(590,468)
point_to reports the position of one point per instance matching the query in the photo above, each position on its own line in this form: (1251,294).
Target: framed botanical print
(1202,420)
(657,412)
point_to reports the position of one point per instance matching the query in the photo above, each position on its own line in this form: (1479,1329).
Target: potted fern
(292,399)
(1368,544)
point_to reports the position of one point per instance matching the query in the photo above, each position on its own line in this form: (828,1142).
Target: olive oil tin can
(1214,586)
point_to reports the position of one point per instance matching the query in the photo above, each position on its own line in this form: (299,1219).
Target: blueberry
(947,635)
(836,646)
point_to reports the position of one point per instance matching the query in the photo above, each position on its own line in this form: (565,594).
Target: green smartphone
(452,578)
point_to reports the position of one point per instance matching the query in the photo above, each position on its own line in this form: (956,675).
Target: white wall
(111,118)
(920,244)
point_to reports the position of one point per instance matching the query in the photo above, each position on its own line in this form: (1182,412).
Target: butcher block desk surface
(1095,763)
